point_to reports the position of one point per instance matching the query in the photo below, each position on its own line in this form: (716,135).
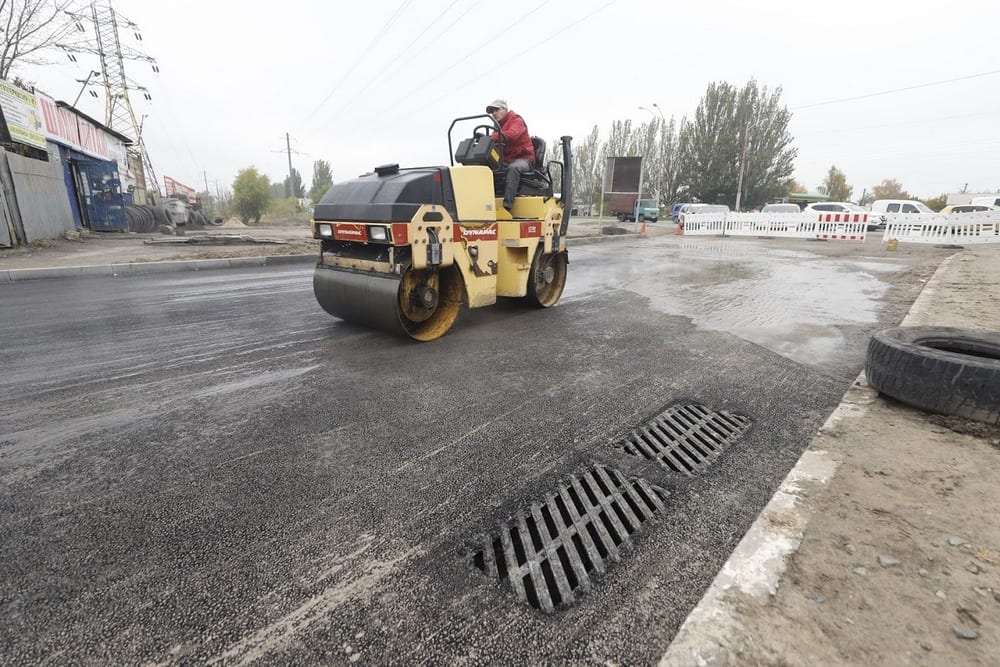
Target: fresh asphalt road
(205,467)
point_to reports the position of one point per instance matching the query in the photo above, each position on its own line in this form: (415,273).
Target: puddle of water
(794,303)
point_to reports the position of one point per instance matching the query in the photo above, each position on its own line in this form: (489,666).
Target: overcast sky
(381,81)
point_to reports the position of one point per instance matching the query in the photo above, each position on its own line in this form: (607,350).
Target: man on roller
(518,154)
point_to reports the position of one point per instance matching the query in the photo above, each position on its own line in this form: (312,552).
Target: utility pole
(288,183)
(658,164)
(288,148)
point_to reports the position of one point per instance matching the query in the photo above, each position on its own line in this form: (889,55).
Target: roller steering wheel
(488,131)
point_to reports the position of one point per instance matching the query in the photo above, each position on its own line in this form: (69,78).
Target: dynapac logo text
(350,232)
(487,233)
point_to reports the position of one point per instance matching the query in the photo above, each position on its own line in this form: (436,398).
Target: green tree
(937,203)
(737,147)
(251,194)
(293,184)
(667,172)
(791,185)
(587,169)
(835,185)
(321,181)
(890,188)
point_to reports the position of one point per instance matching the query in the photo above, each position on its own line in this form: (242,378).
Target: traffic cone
(643,230)
(679,229)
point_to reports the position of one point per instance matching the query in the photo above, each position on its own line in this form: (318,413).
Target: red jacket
(518,140)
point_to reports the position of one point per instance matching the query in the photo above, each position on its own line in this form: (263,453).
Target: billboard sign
(69,128)
(172,187)
(623,174)
(23,115)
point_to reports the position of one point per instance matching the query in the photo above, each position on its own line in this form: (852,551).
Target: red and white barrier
(841,226)
(831,226)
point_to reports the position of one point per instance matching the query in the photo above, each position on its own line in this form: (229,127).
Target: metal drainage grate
(548,552)
(686,438)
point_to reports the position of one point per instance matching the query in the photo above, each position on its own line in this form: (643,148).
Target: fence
(830,226)
(34,201)
(957,228)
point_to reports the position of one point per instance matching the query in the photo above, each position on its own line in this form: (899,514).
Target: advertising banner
(23,115)
(172,187)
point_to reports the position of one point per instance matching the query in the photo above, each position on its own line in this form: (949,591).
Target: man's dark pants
(514,171)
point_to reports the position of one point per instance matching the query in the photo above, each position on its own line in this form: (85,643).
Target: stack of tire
(145,219)
(150,219)
(199,219)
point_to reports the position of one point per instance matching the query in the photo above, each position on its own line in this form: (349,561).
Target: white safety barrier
(766,224)
(957,228)
(704,224)
(831,226)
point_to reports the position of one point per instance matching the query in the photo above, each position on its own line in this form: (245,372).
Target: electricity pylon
(119,114)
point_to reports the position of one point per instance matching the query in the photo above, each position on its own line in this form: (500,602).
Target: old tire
(946,370)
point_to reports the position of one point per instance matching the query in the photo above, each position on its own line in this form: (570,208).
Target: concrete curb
(147,268)
(751,575)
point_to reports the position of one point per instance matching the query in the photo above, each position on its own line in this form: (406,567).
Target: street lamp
(657,112)
(659,149)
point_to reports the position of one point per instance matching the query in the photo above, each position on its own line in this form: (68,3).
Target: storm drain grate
(548,552)
(686,438)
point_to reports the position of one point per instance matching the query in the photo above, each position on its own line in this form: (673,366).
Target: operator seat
(538,181)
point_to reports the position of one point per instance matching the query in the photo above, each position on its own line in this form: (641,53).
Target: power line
(535,45)
(897,90)
(405,51)
(842,130)
(438,75)
(361,56)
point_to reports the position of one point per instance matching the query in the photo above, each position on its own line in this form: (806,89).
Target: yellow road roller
(402,249)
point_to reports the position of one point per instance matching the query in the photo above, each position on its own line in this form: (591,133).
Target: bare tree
(29,27)
(587,168)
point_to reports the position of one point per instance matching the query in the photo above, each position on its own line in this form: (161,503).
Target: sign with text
(23,115)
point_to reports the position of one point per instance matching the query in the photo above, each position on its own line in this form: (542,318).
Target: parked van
(992,200)
(899,206)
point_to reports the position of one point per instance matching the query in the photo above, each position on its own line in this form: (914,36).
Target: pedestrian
(518,154)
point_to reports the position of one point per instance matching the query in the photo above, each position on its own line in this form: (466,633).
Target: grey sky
(361,84)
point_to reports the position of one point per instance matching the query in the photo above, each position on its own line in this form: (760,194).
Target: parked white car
(781,208)
(834,207)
